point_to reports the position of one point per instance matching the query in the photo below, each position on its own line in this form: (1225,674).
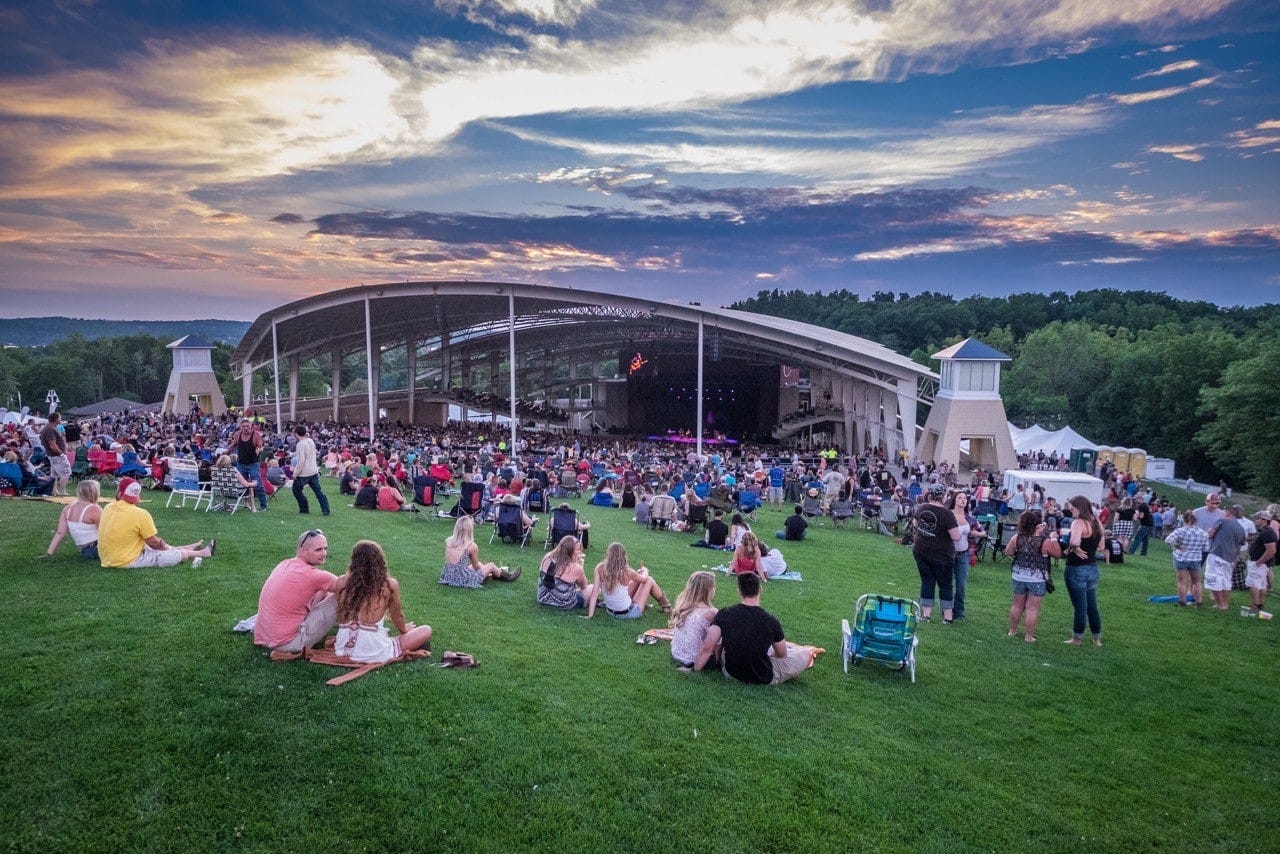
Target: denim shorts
(1029,588)
(634,613)
(1186,565)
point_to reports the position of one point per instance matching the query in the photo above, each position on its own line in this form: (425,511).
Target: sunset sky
(213,159)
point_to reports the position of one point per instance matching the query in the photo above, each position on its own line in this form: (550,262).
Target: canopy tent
(1036,439)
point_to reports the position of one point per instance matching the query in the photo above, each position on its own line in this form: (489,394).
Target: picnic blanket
(652,636)
(325,655)
(1168,600)
(789,575)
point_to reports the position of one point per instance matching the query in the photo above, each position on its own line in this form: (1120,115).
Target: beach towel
(1168,600)
(328,657)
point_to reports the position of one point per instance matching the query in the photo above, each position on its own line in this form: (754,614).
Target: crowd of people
(1213,549)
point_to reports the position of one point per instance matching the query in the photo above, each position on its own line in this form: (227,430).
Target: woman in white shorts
(623,590)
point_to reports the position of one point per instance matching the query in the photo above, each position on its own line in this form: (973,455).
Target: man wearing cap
(296,609)
(127,536)
(1262,557)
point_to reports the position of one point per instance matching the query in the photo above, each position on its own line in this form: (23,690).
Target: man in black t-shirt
(717,533)
(794,526)
(1262,557)
(746,634)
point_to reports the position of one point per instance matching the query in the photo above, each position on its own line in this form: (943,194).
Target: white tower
(193,377)
(968,406)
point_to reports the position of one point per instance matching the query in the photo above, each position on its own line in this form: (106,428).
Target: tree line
(1192,381)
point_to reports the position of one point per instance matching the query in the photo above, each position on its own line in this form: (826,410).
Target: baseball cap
(129,490)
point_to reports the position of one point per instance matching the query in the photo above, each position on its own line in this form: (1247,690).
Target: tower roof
(971,349)
(190,342)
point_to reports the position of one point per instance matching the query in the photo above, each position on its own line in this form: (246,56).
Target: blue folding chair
(884,631)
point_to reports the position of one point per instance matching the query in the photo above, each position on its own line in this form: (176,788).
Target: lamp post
(52,399)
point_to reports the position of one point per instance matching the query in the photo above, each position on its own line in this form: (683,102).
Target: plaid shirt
(1189,544)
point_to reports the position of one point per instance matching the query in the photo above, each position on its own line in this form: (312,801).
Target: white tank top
(82,533)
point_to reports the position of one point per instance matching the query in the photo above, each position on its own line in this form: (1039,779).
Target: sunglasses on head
(316,532)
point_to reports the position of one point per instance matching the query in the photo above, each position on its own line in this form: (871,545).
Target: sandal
(213,546)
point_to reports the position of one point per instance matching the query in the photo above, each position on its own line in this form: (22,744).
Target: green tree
(1057,371)
(1244,418)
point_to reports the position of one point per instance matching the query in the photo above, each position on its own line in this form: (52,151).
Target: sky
(176,159)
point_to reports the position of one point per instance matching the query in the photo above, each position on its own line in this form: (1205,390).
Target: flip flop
(213,546)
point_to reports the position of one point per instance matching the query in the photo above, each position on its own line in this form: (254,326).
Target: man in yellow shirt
(127,536)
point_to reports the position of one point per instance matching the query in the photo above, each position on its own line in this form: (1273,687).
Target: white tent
(1037,439)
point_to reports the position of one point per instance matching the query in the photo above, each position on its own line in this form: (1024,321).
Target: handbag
(1048,582)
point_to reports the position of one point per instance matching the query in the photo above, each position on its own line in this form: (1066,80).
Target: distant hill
(38,331)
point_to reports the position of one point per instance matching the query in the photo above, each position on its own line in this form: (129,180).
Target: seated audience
(746,635)
(746,558)
(366,594)
(127,536)
(624,590)
(367,495)
(691,617)
(772,561)
(80,520)
(717,533)
(793,527)
(462,566)
(295,608)
(562,580)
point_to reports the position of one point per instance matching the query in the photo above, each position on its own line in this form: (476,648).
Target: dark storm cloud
(288,218)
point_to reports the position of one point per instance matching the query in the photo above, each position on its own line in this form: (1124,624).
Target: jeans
(1082,587)
(251,473)
(1141,536)
(314,482)
(934,572)
(961,577)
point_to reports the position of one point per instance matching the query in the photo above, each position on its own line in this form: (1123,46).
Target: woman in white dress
(366,595)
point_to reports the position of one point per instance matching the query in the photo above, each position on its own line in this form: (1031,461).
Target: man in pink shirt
(296,609)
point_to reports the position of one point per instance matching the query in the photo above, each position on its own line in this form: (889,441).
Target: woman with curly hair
(365,595)
(623,589)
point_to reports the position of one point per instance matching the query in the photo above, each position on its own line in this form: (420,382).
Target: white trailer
(1060,485)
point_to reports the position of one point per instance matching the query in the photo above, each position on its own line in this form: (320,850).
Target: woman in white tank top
(80,520)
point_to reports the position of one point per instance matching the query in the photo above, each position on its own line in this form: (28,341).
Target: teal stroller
(884,630)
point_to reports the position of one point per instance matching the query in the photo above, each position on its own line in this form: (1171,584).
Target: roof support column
(511,349)
(368,366)
(275,370)
(335,363)
(411,362)
(700,336)
(246,382)
(907,409)
(295,364)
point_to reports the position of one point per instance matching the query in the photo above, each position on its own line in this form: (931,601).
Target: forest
(1191,381)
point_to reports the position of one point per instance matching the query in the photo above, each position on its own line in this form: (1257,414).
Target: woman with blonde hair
(746,557)
(366,594)
(562,581)
(462,566)
(80,520)
(624,590)
(691,618)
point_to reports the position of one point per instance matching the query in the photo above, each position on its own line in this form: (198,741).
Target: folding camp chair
(470,500)
(535,500)
(509,526)
(884,631)
(888,522)
(811,507)
(80,469)
(662,512)
(564,523)
(226,493)
(697,516)
(424,490)
(748,503)
(187,483)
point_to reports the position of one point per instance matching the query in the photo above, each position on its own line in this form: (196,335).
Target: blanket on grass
(654,635)
(789,575)
(1168,600)
(325,655)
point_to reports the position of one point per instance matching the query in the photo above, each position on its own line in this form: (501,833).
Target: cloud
(288,218)
(1161,94)
(1171,68)
(1189,153)
(1264,134)
(491,12)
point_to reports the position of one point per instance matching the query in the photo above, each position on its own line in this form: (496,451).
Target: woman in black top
(1081,574)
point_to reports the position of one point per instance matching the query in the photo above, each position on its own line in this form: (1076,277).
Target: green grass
(137,719)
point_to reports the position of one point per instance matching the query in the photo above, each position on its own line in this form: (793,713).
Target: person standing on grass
(1208,516)
(55,447)
(1189,543)
(366,595)
(295,608)
(1031,548)
(934,549)
(1144,524)
(247,445)
(1225,541)
(746,634)
(1081,575)
(1262,557)
(306,472)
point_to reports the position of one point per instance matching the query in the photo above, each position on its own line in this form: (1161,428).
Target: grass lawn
(137,719)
